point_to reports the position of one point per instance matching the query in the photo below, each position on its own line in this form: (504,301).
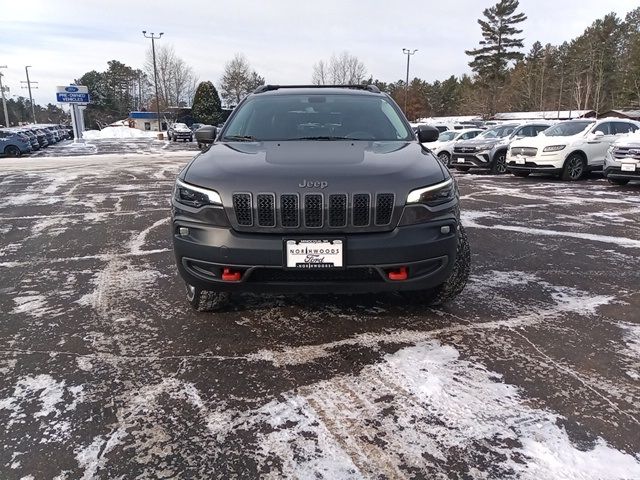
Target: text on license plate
(628,167)
(520,161)
(314,254)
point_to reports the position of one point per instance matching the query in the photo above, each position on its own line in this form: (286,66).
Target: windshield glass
(565,129)
(498,132)
(447,136)
(317,117)
(180,125)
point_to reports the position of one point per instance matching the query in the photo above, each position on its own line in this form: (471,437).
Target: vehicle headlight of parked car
(554,148)
(433,195)
(195,197)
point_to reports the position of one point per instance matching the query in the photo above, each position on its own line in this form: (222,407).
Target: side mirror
(206,134)
(598,134)
(427,134)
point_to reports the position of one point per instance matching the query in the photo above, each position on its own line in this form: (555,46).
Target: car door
(598,142)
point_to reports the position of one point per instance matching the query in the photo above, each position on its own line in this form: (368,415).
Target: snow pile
(117,132)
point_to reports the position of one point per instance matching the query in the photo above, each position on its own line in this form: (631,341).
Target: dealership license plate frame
(628,167)
(320,240)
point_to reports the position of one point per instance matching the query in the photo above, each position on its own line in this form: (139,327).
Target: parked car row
(568,149)
(17,141)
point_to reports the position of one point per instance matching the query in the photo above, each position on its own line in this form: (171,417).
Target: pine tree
(206,104)
(498,47)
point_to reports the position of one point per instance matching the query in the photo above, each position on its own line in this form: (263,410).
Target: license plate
(460,160)
(628,167)
(314,254)
(520,161)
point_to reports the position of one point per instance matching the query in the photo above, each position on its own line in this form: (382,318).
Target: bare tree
(238,80)
(176,80)
(342,69)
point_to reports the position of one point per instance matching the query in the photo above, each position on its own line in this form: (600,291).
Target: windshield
(566,129)
(317,117)
(180,125)
(447,136)
(498,132)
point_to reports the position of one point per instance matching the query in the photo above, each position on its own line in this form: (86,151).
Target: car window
(605,128)
(565,129)
(527,131)
(472,134)
(314,116)
(540,128)
(624,127)
(447,136)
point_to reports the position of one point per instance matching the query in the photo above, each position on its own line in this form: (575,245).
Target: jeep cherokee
(318,190)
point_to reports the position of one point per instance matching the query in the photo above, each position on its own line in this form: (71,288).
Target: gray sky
(281,38)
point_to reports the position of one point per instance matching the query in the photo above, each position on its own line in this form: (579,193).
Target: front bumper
(540,163)
(182,134)
(426,252)
(480,159)
(616,173)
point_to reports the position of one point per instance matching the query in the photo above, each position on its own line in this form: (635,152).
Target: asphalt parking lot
(533,372)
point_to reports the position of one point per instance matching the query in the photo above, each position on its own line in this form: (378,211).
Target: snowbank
(117,132)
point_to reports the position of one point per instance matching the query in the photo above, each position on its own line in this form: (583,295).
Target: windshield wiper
(240,138)
(325,137)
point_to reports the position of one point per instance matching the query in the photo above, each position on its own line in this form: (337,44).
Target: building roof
(451,119)
(545,115)
(629,113)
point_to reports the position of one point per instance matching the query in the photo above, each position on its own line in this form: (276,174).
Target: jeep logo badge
(313,184)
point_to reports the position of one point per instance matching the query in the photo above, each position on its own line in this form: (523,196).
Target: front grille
(464,149)
(289,210)
(313,210)
(338,210)
(361,274)
(627,152)
(525,151)
(266,210)
(384,208)
(242,208)
(361,210)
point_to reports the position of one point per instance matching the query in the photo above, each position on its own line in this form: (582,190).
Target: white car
(622,162)
(569,149)
(443,147)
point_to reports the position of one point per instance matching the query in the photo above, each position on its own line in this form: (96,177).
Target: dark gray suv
(318,190)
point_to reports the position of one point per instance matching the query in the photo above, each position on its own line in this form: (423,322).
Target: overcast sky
(281,38)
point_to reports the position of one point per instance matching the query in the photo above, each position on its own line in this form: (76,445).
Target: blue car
(14,144)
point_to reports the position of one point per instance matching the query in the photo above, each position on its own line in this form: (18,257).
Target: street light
(4,101)
(155,70)
(408,53)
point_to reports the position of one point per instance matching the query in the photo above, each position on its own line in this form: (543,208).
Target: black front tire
(12,151)
(456,282)
(445,158)
(206,300)
(618,181)
(574,168)
(499,166)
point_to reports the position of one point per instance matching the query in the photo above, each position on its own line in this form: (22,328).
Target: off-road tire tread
(459,276)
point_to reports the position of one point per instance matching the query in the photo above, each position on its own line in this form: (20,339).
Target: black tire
(618,181)
(206,300)
(499,166)
(456,282)
(521,174)
(463,169)
(445,158)
(12,151)
(574,168)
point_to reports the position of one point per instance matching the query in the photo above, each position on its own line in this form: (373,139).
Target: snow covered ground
(106,373)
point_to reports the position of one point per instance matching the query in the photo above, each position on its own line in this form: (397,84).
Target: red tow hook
(400,274)
(229,275)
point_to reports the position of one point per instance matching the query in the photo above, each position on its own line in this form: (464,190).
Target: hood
(182,129)
(541,141)
(327,166)
(628,140)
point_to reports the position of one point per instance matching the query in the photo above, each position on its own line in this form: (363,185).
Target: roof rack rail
(267,88)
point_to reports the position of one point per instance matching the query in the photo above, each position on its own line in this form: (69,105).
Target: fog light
(446,229)
(184,232)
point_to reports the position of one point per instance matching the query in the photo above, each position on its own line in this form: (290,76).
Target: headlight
(195,196)
(434,194)
(553,148)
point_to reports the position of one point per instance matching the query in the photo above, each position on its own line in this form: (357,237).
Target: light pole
(408,53)
(155,71)
(4,101)
(33,110)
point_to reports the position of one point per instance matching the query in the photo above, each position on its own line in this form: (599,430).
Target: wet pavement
(105,372)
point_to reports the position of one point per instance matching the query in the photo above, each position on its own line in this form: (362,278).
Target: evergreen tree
(206,104)
(498,47)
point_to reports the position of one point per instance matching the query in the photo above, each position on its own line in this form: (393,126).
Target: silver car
(622,162)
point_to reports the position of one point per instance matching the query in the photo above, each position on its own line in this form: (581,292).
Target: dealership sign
(72,94)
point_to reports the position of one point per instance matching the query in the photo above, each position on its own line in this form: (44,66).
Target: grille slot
(313,210)
(338,210)
(526,151)
(266,210)
(242,208)
(384,208)
(289,206)
(361,207)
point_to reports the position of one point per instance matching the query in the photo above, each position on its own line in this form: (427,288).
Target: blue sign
(71,89)
(72,97)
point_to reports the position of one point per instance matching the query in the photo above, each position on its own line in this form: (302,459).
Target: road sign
(72,94)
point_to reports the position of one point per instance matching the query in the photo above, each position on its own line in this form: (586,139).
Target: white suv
(622,162)
(443,147)
(569,149)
